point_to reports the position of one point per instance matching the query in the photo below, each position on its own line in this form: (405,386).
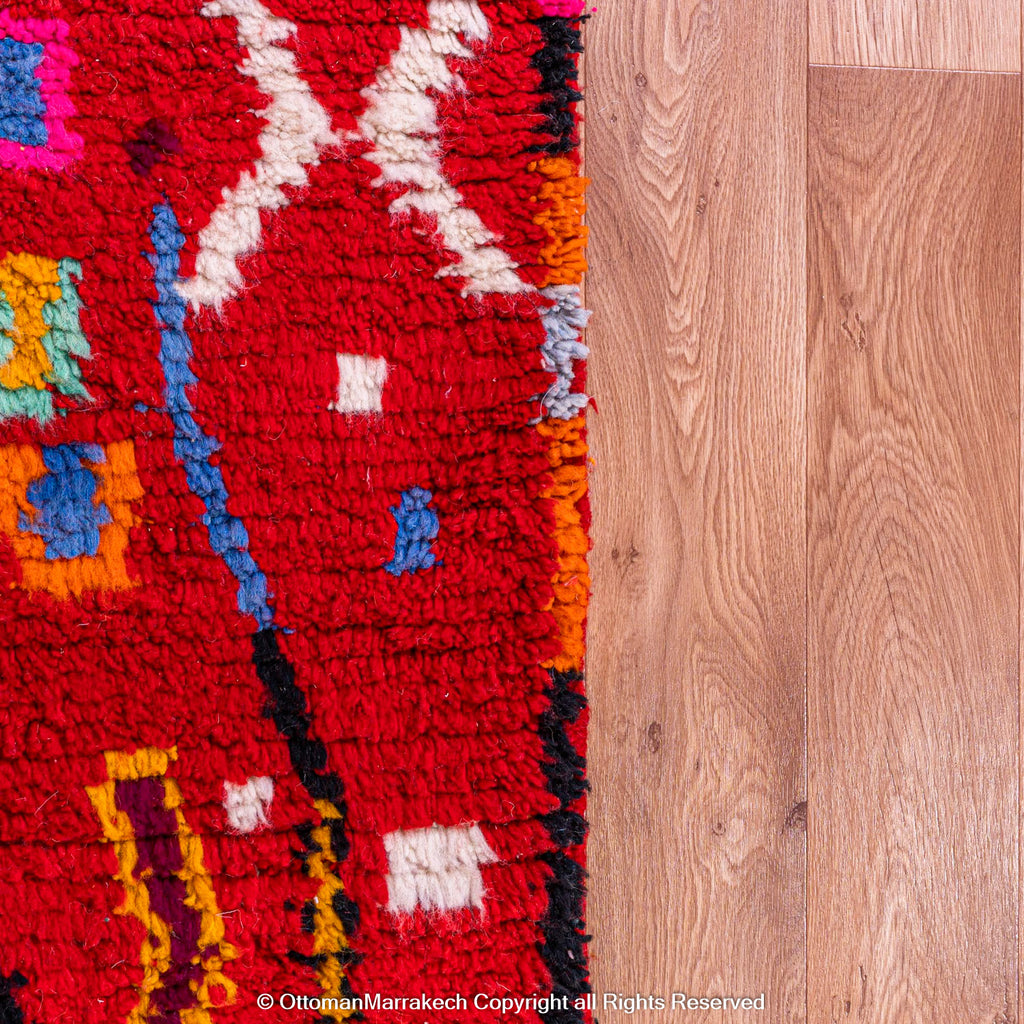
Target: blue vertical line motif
(192,446)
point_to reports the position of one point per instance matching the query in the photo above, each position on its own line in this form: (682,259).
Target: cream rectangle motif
(436,868)
(360,383)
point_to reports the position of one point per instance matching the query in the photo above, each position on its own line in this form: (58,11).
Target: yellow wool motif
(210,985)
(28,282)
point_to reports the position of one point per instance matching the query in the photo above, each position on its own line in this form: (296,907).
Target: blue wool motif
(417,530)
(68,518)
(21,102)
(193,447)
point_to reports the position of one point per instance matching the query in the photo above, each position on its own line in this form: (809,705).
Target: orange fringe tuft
(567,454)
(563,205)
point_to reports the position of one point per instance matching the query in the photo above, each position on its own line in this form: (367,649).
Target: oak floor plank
(981,35)
(913,513)
(696,149)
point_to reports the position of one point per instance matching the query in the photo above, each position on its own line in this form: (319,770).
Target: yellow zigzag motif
(328,932)
(138,794)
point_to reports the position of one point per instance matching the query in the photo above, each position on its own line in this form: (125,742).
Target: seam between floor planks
(923,71)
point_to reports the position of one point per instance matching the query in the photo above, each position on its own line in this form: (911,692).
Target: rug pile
(293,512)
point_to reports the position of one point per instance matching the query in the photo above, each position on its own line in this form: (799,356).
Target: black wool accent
(347,911)
(10,1011)
(566,828)
(566,702)
(348,958)
(345,991)
(304,831)
(339,837)
(564,940)
(562,948)
(556,62)
(564,766)
(308,916)
(289,710)
(308,961)
(345,988)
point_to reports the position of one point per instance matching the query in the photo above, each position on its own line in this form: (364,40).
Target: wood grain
(913,511)
(696,148)
(983,35)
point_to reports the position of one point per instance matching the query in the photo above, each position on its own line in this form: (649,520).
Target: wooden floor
(804,654)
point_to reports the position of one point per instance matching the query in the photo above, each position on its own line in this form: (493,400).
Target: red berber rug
(292,512)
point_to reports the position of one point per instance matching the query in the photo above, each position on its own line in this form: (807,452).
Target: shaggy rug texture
(293,512)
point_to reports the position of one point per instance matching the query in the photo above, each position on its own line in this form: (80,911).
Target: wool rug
(292,512)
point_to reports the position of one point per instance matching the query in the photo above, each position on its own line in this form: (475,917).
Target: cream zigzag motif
(297,128)
(400,121)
